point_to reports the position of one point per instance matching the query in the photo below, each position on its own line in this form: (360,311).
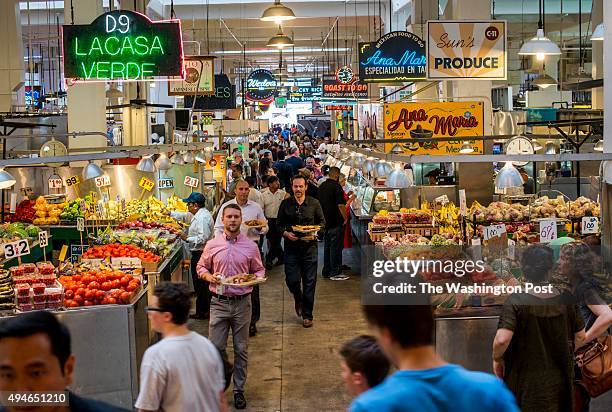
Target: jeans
(274,237)
(332,252)
(200,286)
(234,314)
(301,275)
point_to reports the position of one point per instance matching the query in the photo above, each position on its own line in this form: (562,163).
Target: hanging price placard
(15,249)
(548,230)
(73,180)
(43,238)
(493,231)
(191,181)
(462,202)
(590,224)
(146,184)
(102,181)
(55,183)
(80,224)
(165,183)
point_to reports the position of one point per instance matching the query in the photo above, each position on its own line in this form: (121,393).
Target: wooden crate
(422,230)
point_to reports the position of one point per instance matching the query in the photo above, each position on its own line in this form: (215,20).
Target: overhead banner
(299,94)
(474,49)
(122,45)
(261,86)
(334,89)
(199,77)
(398,56)
(437,119)
(224,97)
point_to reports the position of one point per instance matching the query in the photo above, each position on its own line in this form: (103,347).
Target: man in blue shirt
(424,382)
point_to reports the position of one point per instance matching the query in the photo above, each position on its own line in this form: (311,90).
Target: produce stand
(108,335)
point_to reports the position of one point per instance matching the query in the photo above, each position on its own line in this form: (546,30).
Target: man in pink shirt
(231,253)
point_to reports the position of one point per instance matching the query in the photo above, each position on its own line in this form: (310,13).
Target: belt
(229,298)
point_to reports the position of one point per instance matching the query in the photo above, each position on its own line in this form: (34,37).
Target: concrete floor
(292,368)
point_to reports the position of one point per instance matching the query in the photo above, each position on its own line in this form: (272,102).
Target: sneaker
(346,267)
(252,330)
(307,323)
(340,277)
(239,400)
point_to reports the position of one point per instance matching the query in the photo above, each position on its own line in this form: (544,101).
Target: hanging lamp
(508,177)
(598,33)
(278,12)
(91,171)
(598,146)
(6,179)
(540,45)
(544,81)
(466,148)
(280,40)
(163,162)
(146,164)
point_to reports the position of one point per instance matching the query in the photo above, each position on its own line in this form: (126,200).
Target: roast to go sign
(191,181)
(471,49)
(15,249)
(122,45)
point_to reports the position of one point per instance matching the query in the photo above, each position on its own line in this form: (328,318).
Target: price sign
(548,230)
(191,181)
(99,209)
(590,224)
(83,206)
(165,183)
(462,202)
(80,224)
(76,251)
(55,183)
(493,231)
(146,184)
(15,249)
(442,199)
(43,238)
(511,249)
(73,180)
(102,181)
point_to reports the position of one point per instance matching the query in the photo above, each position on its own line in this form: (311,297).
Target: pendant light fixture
(188,157)
(398,177)
(598,33)
(397,149)
(466,148)
(277,13)
(91,171)
(540,45)
(6,179)
(163,162)
(508,177)
(177,159)
(536,146)
(280,41)
(598,146)
(551,148)
(146,164)
(544,81)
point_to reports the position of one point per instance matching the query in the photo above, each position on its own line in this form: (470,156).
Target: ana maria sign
(122,45)
(260,85)
(396,57)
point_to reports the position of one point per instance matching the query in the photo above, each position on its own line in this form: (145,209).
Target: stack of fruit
(104,286)
(36,286)
(120,250)
(176,204)
(72,211)
(47,214)
(25,211)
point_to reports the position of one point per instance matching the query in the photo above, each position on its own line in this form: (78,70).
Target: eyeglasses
(150,309)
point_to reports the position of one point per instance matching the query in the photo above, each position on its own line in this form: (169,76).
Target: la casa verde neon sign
(122,45)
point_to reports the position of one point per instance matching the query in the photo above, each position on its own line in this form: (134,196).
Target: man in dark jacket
(283,171)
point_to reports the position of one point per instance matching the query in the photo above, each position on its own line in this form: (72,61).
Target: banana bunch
(450,230)
(448,215)
(176,204)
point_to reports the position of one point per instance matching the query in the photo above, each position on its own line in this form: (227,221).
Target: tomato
(137,280)
(131,287)
(100,294)
(76,278)
(116,284)
(90,294)
(80,291)
(125,281)
(126,297)
(69,294)
(87,303)
(94,285)
(79,299)
(104,301)
(106,286)
(111,300)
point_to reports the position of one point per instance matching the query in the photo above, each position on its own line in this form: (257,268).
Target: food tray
(227,282)
(300,229)
(259,226)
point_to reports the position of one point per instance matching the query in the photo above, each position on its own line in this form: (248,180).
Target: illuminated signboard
(305,94)
(224,97)
(396,57)
(342,107)
(261,86)
(466,49)
(122,45)
(333,89)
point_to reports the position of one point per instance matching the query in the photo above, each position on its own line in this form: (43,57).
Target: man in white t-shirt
(183,371)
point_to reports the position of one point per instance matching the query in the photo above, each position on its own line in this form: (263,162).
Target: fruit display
(138,224)
(7,294)
(104,286)
(150,210)
(72,210)
(499,212)
(10,232)
(176,204)
(582,207)
(159,241)
(47,213)
(544,207)
(36,286)
(120,250)
(25,212)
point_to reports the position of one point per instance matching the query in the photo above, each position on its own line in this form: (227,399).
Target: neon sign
(122,45)
(260,85)
(396,57)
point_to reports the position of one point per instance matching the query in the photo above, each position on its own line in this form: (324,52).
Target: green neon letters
(113,46)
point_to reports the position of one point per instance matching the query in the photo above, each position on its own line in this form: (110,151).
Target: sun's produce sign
(473,49)
(396,57)
(122,45)
(436,119)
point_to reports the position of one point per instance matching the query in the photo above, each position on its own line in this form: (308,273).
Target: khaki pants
(234,314)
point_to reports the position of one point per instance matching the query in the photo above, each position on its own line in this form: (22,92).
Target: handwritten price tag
(73,180)
(102,181)
(548,230)
(493,231)
(462,203)
(590,224)
(146,184)
(80,224)
(55,183)
(511,249)
(43,238)
(191,181)
(15,249)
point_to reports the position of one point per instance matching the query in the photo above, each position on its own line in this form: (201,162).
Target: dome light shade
(188,157)
(598,146)
(91,171)
(277,12)
(162,162)
(397,149)
(539,45)
(382,168)
(466,148)
(536,146)
(6,179)
(543,81)
(598,33)
(508,177)
(177,159)
(280,40)
(146,164)
(550,148)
